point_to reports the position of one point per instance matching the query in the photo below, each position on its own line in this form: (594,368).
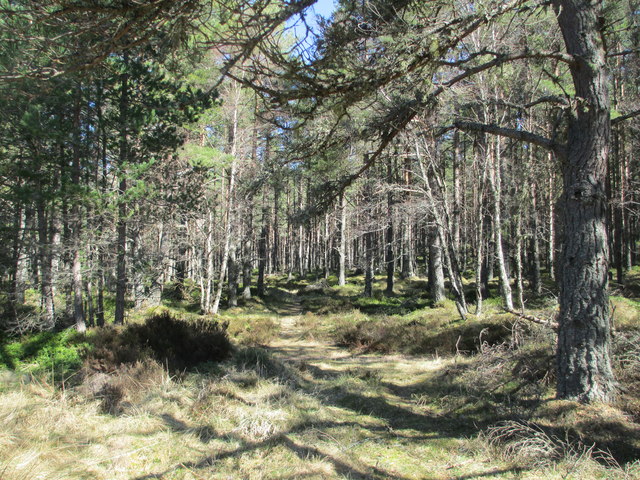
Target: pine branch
(520,135)
(622,118)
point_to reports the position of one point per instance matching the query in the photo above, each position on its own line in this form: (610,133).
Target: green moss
(59,354)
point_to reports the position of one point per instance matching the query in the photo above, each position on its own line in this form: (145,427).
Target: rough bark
(584,333)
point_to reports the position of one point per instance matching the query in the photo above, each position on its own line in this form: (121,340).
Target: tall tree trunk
(121,253)
(496,185)
(45,258)
(479,264)
(207,280)
(100,300)
(518,262)
(388,254)
(154,297)
(407,227)
(342,254)
(551,250)
(121,228)
(457,192)
(536,282)
(262,252)
(442,220)
(275,243)
(227,230)
(584,334)
(76,221)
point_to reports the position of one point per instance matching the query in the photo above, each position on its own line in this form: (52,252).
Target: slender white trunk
(496,186)
(230,204)
(343,237)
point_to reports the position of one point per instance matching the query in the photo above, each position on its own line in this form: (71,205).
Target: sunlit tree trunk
(342,254)
(495,159)
(584,335)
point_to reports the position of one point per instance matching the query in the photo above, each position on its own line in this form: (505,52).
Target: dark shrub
(181,344)
(176,343)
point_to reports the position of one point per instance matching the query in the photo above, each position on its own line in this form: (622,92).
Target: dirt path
(293,347)
(383,403)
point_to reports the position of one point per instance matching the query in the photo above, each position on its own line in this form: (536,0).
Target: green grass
(54,354)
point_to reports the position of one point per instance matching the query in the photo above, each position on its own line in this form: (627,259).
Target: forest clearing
(319,239)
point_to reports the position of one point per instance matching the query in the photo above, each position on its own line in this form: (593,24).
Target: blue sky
(321,7)
(324,7)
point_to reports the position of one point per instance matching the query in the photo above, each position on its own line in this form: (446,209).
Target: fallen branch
(531,318)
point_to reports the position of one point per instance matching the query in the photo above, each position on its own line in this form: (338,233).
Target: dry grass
(530,446)
(305,409)
(329,415)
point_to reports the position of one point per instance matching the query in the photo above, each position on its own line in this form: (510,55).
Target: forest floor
(302,405)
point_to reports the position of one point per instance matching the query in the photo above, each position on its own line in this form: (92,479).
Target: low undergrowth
(251,329)
(411,393)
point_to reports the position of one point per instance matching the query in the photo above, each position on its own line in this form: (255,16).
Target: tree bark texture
(584,369)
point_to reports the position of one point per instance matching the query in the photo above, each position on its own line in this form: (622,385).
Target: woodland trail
(294,347)
(388,415)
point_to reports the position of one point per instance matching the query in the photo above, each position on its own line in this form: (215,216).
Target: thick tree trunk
(207,281)
(457,193)
(154,297)
(275,243)
(442,220)
(584,334)
(478,266)
(227,234)
(407,249)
